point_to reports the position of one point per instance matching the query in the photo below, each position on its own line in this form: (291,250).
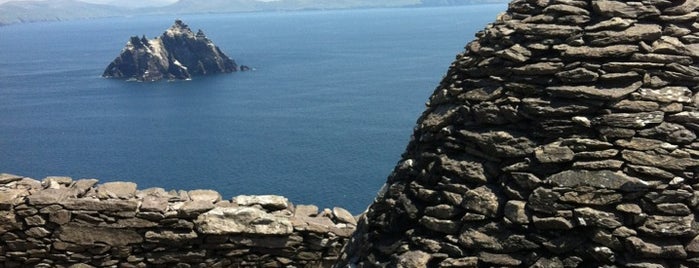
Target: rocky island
(178,53)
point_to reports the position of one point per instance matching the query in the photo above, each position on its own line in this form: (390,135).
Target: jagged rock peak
(178,53)
(179,28)
(565,135)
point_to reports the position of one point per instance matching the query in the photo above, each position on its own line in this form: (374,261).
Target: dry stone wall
(61,222)
(564,136)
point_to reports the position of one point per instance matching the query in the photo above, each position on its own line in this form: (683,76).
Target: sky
(103,1)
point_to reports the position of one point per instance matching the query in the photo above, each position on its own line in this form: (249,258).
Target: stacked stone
(60,222)
(564,136)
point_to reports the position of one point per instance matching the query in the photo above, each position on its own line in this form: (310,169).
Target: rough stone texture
(61,222)
(564,136)
(178,53)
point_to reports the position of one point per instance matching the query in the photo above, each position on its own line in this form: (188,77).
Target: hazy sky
(103,1)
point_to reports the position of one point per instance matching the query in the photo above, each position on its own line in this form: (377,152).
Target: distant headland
(178,53)
(12,12)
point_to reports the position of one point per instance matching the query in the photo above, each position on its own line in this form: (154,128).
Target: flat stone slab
(7,178)
(243,220)
(88,236)
(605,179)
(121,190)
(205,195)
(273,202)
(11,197)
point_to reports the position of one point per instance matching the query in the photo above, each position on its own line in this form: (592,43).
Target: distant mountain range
(54,10)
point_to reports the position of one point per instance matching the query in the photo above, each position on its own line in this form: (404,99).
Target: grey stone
(464,170)
(615,23)
(672,45)
(86,235)
(516,53)
(662,58)
(37,232)
(656,248)
(693,246)
(7,178)
(685,117)
(120,190)
(80,187)
(644,144)
(552,223)
(465,262)
(413,259)
(685,8)
(204,195)
(35,220)
(474,239)
(674,209)
(544,200)
(11,197)
(610,9)
(566,9)
(594,165)
(651,171)
(593,92)
(554,153)
(631,35)
(516,212)
(60,217)
(658,160)
(501,143)
(247,220)
(552,30)
(482,200)
(90,204)
(670,226)
(577,75)
(168,236)
(666,94)
(674,133)
(525,180)
(273,202)
(591,217)
(539,68)
(540,107)
(194,208)
(597,197)
(636,106)
(438,225)
(605,179)
(341,215)
(630,120)
(498,259)
(154,204)
(613,51)
(50,196)
(442,211)
(306,210)
(130,223)
(9,221)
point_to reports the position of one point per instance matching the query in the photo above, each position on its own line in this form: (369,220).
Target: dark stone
(85,235)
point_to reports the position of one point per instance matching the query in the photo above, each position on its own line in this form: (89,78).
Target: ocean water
(322,120)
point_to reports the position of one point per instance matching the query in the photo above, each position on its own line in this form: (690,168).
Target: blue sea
(322,120)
